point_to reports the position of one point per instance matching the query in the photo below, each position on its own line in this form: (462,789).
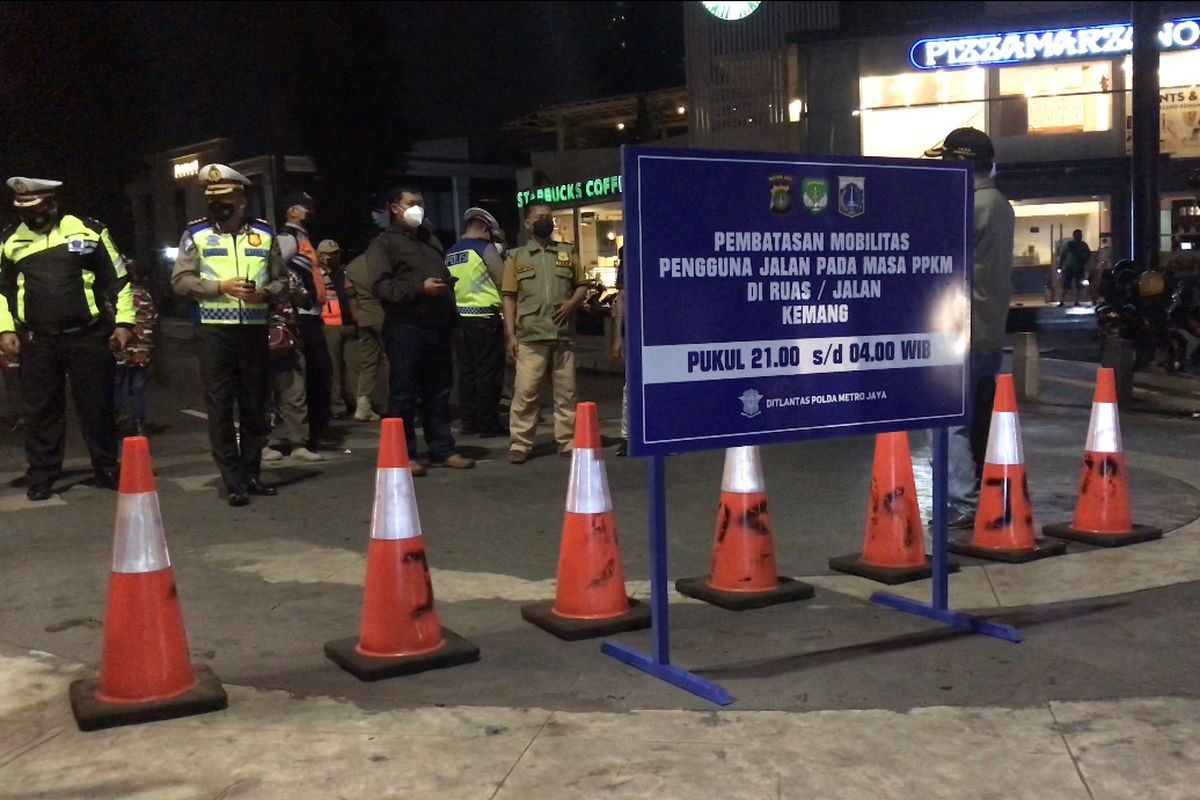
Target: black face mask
(222,212)
(37,218)
(543,228)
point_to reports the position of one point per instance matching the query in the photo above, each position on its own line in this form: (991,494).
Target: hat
(326,245)
(965,144)
(31,191)
(303,199)
(219,179)
(482,216)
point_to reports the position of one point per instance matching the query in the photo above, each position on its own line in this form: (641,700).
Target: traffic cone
(146,672)
(743,573)
(400,633)
(1004,520)
(590,598)
(1102,514)
(893,549)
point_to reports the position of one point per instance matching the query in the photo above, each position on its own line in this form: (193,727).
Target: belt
(478,312)
(50,331)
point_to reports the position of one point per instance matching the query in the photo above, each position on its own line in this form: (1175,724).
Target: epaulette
(8,232)
(196,221)
(262,225)
(197,225)
(92,223)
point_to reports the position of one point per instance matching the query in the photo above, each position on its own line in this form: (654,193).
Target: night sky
(88,89)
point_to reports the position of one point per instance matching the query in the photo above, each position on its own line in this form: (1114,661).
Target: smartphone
(451,280)
(251,284)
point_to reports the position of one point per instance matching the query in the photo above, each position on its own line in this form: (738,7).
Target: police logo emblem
(564,258)
(254,239)
(214,175)
(815,192)
(852,196)
(19,187)
(750,400)
(781,194)
(213,241)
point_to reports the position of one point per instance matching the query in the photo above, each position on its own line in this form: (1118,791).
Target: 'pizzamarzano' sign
(792,297)
(1022,47)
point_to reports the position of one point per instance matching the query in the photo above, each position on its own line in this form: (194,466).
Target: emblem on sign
(750,400)
(781,194)
(852,196)
(254,239)
(816,194)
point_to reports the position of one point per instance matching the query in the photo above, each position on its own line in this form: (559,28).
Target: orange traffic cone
(1102,514)
(893,548)
(400,632)
(1004,521)
(146,673)
(743,573)
(590,598)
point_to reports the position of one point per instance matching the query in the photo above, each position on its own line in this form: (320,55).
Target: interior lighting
(795,107)
(681,110)
(620,126)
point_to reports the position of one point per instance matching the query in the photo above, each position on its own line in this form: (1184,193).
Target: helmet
(1150,284)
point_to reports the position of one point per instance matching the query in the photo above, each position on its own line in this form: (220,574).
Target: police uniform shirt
(540,279)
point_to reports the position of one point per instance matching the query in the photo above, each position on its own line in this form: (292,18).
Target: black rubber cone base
(1041,549)
(854,565)
(1139,533)
(456,650)
(93,714)
(572,630)
(788,591)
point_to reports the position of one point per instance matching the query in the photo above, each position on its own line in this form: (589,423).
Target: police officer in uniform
(231,266)
(543,285)
(476,265)
(56,273)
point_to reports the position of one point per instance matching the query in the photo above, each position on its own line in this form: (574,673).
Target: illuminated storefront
(587,214)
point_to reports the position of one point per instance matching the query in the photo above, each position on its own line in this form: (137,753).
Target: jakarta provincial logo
(816,194)
(852,196)
(781,194)
(750,400)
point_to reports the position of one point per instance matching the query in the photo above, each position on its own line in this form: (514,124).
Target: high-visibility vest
(224,256)
(475,293)
(331,312)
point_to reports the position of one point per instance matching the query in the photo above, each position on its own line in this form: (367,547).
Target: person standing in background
(133,362)
(340,334)
(368,314)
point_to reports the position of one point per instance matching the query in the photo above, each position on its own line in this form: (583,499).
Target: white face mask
(414,216)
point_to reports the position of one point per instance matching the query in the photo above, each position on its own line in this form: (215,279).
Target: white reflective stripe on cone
(743,471)
(139,544)
(587,492)
(394,515)
(1104,431)
(1004,439)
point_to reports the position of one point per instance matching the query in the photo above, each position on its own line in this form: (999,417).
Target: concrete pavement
(836,698)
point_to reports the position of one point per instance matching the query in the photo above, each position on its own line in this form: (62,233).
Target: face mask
(37,218)
(992,174)
(414,216)
(222,212)
(543,228)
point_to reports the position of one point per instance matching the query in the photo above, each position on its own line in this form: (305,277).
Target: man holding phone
(406,271)
(231,266)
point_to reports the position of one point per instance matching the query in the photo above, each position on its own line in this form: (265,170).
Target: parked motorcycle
(1133,306)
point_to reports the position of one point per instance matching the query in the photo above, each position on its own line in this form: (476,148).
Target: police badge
(815,192)
(781,194)
(750,400)
(214,175)
(254,240)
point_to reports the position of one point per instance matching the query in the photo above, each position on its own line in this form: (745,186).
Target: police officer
(543,285)
(56,273)
(478,269)
(232,266)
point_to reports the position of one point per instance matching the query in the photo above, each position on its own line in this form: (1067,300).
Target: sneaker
(271,454)
(417,469)
(961,522)
(517,457)
(455,461)
(304,454)
(363,412)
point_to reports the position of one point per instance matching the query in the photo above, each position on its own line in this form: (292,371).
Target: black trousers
(235,366)
(421,369)
(318,374)
(47,361)
(479,346)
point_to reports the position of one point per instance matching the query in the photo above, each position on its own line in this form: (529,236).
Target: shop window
(1179,104)
(601,234)
(905,115)
(1055,98)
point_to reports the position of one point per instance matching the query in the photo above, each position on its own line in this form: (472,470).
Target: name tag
(256,251)
(523,268)
(214,251)
(80,246)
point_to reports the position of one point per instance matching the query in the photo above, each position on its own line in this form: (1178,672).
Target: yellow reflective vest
(221,256)
(60,281)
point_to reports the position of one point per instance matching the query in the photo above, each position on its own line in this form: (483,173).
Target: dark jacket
(398,262)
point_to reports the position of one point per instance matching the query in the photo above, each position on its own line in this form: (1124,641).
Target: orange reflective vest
(331,312)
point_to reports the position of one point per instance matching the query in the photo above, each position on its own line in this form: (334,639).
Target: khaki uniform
(541,280)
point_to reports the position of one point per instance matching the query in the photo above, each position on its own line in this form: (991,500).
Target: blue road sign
(775,297)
